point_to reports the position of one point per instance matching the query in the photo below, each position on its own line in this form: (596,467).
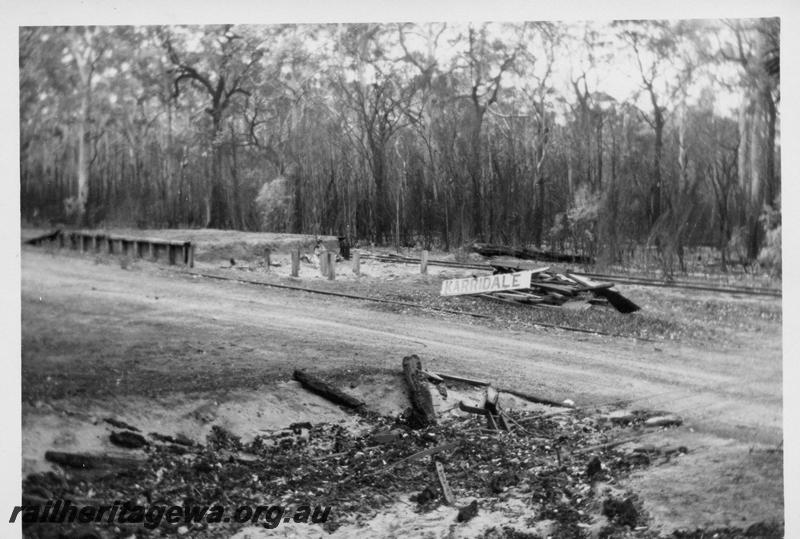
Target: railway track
(622,279)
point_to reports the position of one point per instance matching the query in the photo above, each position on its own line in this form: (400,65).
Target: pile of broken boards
(550,288)
(552,464)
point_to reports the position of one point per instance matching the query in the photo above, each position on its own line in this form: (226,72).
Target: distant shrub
(273,203)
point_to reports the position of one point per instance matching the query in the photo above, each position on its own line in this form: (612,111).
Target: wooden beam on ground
(421,401)
(323,389)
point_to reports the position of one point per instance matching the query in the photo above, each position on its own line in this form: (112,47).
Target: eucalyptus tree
(219,63)
(754,46)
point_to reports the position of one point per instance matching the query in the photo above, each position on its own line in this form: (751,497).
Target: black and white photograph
(492,273)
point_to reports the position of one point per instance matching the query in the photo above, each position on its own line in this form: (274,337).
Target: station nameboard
(487,284)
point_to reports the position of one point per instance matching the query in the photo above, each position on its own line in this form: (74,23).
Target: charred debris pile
(558,462)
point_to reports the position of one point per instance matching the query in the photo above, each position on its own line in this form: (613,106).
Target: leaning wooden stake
(448,494)
(325,390)
(421,401)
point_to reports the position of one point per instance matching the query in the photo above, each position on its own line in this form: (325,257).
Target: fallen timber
(539,286)
(619,279)
(319,387)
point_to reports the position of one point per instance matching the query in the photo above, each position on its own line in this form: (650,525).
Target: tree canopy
(583,136)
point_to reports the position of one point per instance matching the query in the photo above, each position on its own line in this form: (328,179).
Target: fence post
(152,250)
(171,253)
(190,246)
(423,265)
(267,257)
(357,263)
(323,263)
(331,265)
(295,262)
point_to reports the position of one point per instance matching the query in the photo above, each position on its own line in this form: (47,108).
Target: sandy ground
(176,352)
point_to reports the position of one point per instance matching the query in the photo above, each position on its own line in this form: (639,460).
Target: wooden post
(171,254)
(423,265)
(323,263)
(191,254)
(357,263)
(82,242)
(267,257)
(95,243)
(152,249)
(331,265)
(110,245)
(295,262)
(125,245)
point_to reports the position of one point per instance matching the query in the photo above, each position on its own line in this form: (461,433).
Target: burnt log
(85,461)
(423,413)
(325,390)
(127,439)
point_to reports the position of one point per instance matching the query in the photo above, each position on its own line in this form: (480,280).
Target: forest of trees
(443,134)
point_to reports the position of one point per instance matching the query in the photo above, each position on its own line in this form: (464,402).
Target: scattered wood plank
(323,389)
(532,398)
(446,492)
(418,455)
(520,394)
(455,378)
(420,395)
(433,377)
(617,300)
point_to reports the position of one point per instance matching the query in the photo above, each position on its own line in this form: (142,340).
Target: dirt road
(97,328)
